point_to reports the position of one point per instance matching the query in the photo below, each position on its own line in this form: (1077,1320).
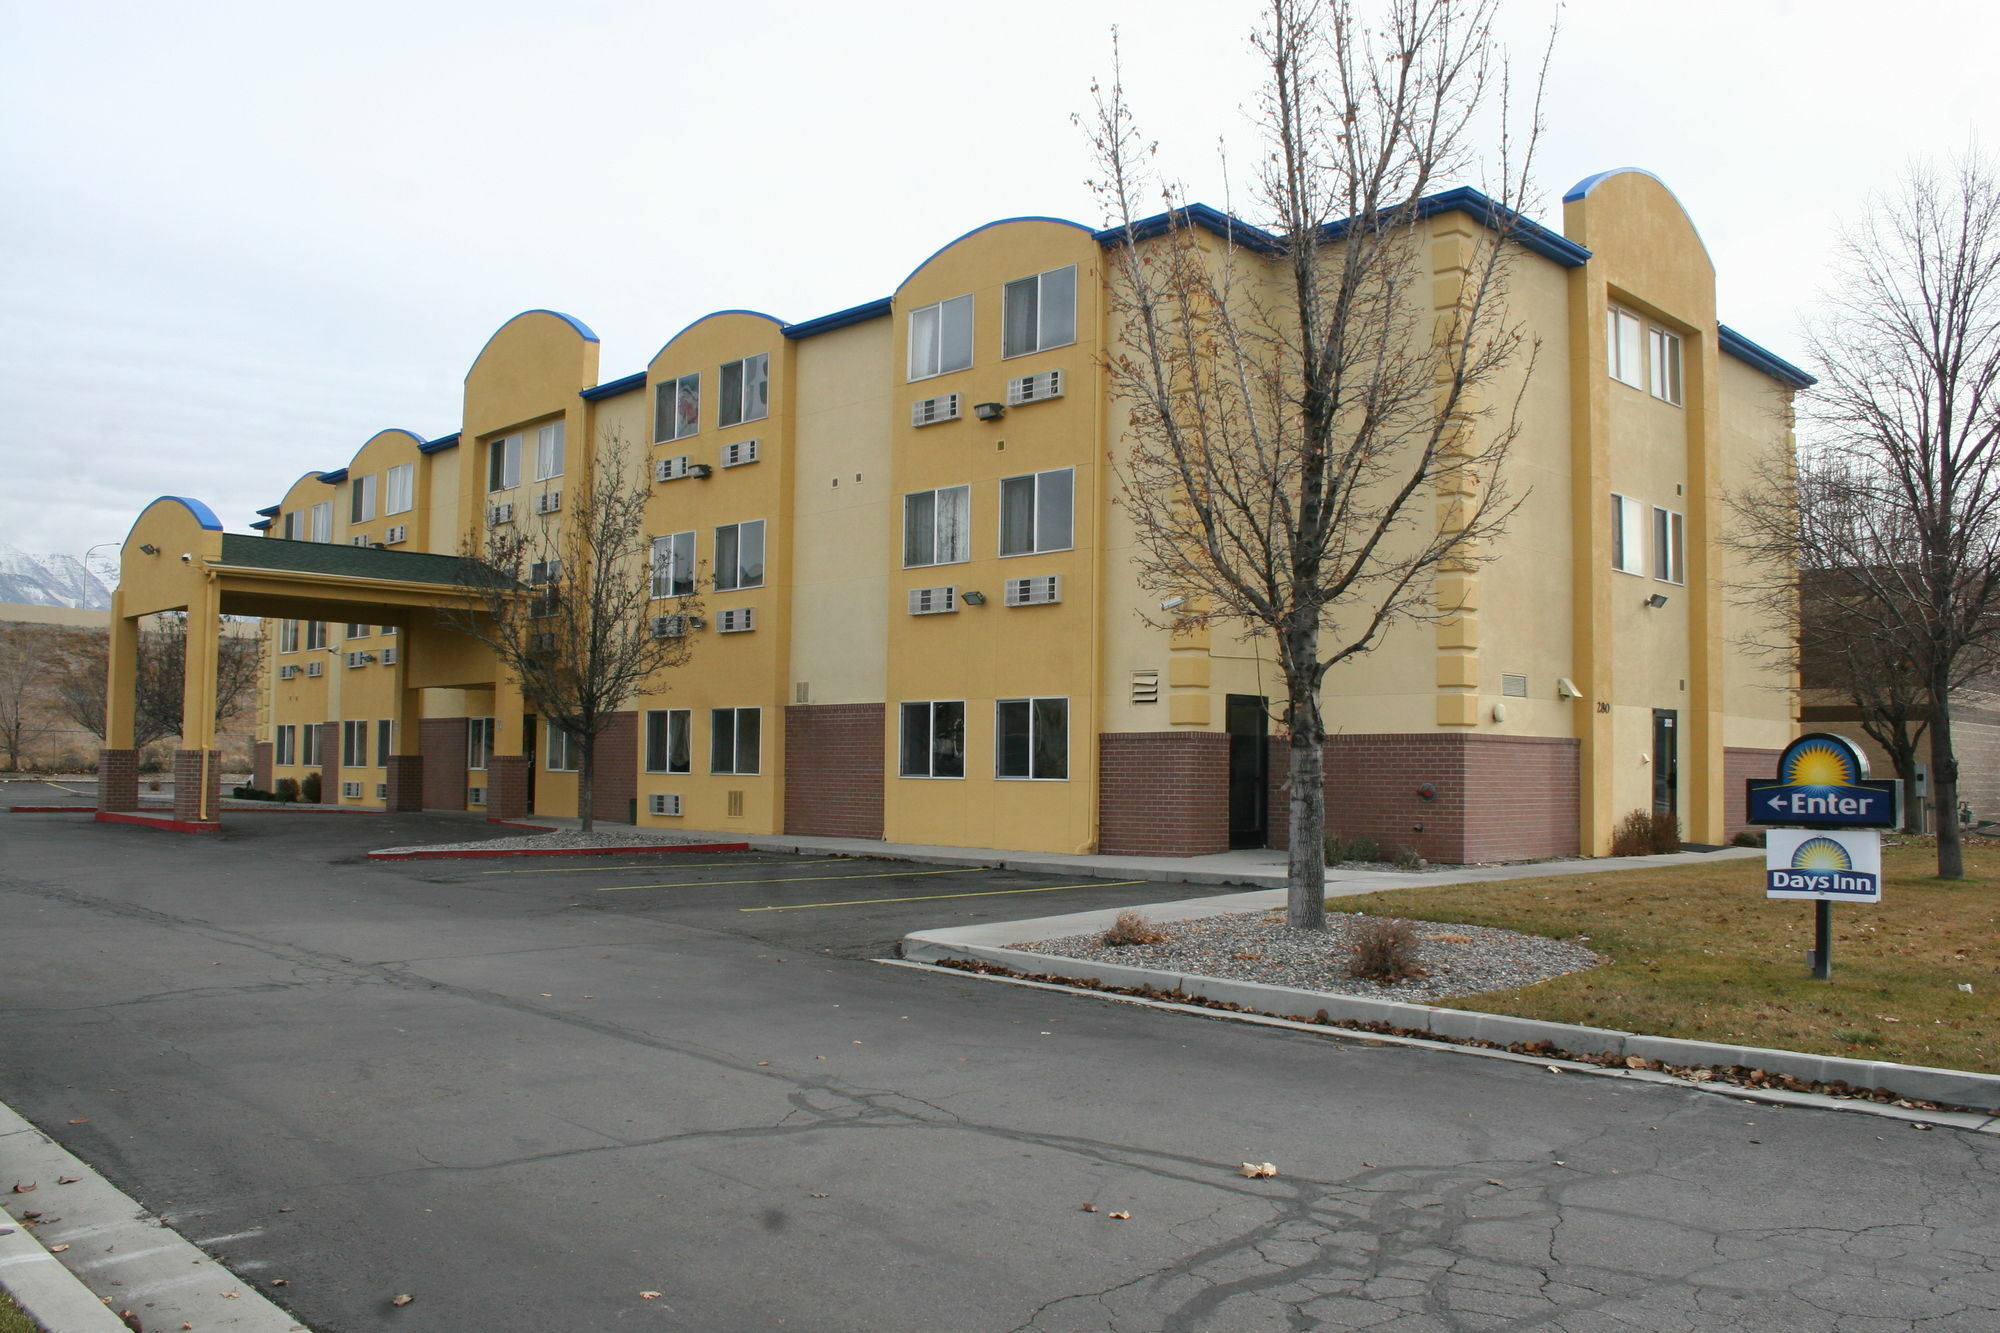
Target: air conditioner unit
(1037,591)
(670,469)
(350,791)
(357,659)
(287,672)
(381,791)
(388,657)
(396,535)
(663,803)
(737,620)
(669,627)
(1034,388)
(548,502)
(541,645)
(315,668)
(475,796)
(360,541)
(930,411)
(700,470)
(736,455)
(500,513)
(933,601)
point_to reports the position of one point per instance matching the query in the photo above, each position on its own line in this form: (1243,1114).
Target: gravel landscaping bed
(561,840)
(1460,960)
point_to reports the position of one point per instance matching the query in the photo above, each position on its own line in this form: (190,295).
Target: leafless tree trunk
(77,678)
(565,606)
(1314,436)
(23,667)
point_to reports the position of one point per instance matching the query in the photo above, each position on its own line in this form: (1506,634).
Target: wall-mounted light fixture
(973,597)
(149,548)
(1657,600)
(1174,603)
(989,411)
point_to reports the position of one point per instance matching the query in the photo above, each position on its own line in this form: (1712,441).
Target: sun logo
(1818,764)
(1821,854)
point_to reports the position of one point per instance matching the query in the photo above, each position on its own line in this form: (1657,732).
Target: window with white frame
(565,751)
(503,463)
(739,555)
(1628,535)
(384,730)
(478,741)
(734,740)
(285,749)
(676,408)
(288,636)
(322,521)
(937,526)
(941,338)
(359,631)
(673,565)
(309,735)
(1035,512)
(361,499)
(1031,739)
(667,740)
(746,390)
(399,489)
(1039,312)
(549,451)
(545,577)
(1664,363)
(934,739)
(1644,355)
(1669,546)
(354,745)
(315,634)
(292,526)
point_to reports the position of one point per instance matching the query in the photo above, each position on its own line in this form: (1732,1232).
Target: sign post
(1833,849)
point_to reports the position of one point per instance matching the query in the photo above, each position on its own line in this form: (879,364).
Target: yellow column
(121,687)
(508,706)
(204,630)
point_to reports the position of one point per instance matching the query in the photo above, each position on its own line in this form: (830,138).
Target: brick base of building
(443,746)
(614,785)
(194,771)
(406,783)
(118,780)
(261,766)
(507,786)
(833,769)
(1739,765)
(1162,793)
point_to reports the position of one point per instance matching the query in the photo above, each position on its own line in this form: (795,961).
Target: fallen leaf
(57,1249)
(281,1282)
(762,1064)
(547,996)
(84,1120)
(31,1216)
(402,1300)
(67,1180)
(856,1043)
(288,1210)
(1257,1170)
(231,1295)
(185,1324)
(1090,1208)
(649,1295)
(28,1188)
(1121,1216)
(1494,1182)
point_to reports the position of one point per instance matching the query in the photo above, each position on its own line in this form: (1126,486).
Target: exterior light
(989,411)
(150,549)
(973,598)
(1657,600)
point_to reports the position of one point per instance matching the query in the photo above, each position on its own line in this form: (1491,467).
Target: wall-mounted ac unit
(388,657)
(357,659)
(315,668)
(542,645)
(396,535)
(669,627)
(360,541)
(1035,388)
(350,791)
(500,513)
(1037,591)
(475,796)
(930,411)
(381,791)
(663,803)
(737,620)
(736,455)
(933,601)
(670,469)
(548,502)
(287,672)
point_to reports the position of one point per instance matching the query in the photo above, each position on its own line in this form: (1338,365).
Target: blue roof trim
(202,513)
(612,388)
(570,320)
(1750,354)
(263,526)
(1196,215)
(334,478)
(271,512)
(1589,183)
(713,314)
(439,445)
(987,226)
(840,319)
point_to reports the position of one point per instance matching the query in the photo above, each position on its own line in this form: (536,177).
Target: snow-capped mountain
(55,580)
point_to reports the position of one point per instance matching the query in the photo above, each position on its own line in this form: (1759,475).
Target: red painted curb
(515,823)
(560,851)
(51,809)
(169,823)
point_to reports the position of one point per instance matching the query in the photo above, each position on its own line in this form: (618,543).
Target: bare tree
(564,604)
(1314,435)
(77,677)
(23,666)
(1906,423)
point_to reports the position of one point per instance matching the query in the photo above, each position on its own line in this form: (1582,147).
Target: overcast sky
(241,238)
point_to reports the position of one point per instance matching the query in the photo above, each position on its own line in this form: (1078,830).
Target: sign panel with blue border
(1834,865)
(1823,783)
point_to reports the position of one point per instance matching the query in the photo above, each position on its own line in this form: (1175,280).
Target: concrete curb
(988,944)
(429,855)
(144,1267)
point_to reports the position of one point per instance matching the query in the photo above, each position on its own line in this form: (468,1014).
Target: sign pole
(1821,813)
(1823,940)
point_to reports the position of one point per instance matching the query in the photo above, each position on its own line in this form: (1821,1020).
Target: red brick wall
(405,782)
(833,769)
(1163,793)
(188,783)
(260,766)
(1738,767)
(1497,798)
(118,780)
(615,775)
(329,763)
(442,741)
(507,779)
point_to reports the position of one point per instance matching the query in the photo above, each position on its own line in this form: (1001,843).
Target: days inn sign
(1823,783)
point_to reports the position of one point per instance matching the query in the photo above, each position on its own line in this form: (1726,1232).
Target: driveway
(526,1091)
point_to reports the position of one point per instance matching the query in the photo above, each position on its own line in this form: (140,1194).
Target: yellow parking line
(794,879)
(701,865)
(933,897)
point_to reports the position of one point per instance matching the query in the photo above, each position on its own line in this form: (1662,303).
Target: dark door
(1249,775)
(1666,763)
(529,732)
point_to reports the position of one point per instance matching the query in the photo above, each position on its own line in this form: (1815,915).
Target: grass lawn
(12,1320)
(1698,951)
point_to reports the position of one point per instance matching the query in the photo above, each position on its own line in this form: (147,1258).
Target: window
(359,631)
(934,739)
(1035,512)
(1031,739)
(667,748)
(1626,348)
(941,338)
(315,634)
(478,741)
(288,636)
(361,499)
(322,521)
(1039,313)
(677,409)
(746,390)
(733,740)
(565,750)
(739,555)
(673,565)
(937,527)
(1669,546)
(1665,364)
(286,750)
(1626,535)
(354,745)
(399,490)
(309,737)
(294,527)
(549,451)
(503,463)
(383,731)
(545,575)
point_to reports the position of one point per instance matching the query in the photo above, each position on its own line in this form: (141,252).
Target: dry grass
(13,1319)
(1699,952)
(1384,949)
(1131,928)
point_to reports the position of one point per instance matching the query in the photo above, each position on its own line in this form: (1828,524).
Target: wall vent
(802,692)
(736,805)
(1037,591)
(1513,686)
(1146,686)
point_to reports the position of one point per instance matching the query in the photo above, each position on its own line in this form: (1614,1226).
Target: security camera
(187,557)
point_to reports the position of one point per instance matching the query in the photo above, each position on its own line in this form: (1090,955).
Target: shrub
(1130,928)
(1748,837)
(1383,949)
(287,789)
(1666,832)
(309,789)
(1407,858)
(1360,847)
